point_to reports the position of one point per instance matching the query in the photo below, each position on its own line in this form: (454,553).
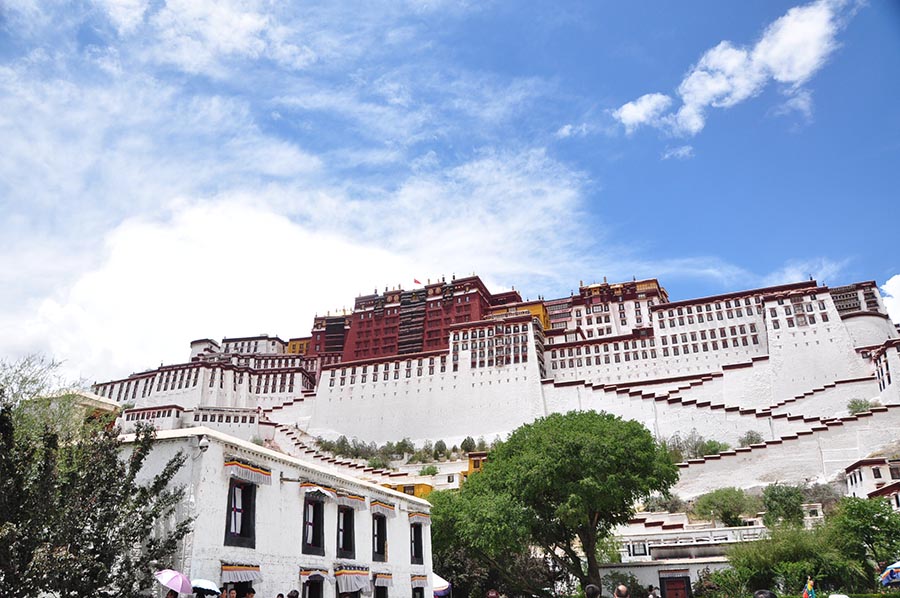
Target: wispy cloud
(821,269)
(570,130)
(682,152)
(789,52)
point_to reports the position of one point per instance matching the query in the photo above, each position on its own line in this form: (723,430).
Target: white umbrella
(174,580)
(205,587)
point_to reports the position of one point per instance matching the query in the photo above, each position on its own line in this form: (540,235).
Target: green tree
(825,494)
(750,437)
(725,505)
(783,504)
(405,447)
(867,531)
(429,470)
(481,445)
(77,507)
(459,553)
(562,483)
(440,449)
(467,445)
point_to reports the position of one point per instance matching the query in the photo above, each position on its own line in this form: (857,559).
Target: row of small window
(243,347)
(224,419)
(363,378)
(693,335)
(600,331)
(240,527)
(788,309)
(576,351)
(801,320)
(614,358)
(729,314)
(489,332)
(284,382)
(856,477)
(280,362)
(714,345)
(365,368)
(708,307)
(499,361)
(489,344)
(143,415)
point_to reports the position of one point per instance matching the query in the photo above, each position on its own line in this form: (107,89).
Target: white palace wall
(816,456)
(485,402)
(830,401)
(665,418)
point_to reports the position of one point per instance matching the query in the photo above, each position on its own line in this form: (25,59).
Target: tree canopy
(725,505)
(74,518)
(783,505)
(561,484)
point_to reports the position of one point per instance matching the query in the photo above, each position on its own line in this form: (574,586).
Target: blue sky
(182,169)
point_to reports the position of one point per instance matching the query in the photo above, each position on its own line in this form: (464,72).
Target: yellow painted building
(299,346)
(536,308)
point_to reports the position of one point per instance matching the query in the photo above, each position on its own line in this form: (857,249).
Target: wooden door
(675,587)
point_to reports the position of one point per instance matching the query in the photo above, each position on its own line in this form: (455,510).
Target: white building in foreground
(271,521)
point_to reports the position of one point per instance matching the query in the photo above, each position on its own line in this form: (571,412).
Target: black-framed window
(313,588)
(313,526)
(417,548)
(418,593)
(381,592)
(379,538)
(346,548)
(240,520)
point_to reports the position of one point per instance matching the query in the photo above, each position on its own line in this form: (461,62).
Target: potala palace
(451,359)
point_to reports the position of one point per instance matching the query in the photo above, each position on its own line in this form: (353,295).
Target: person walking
(809,591)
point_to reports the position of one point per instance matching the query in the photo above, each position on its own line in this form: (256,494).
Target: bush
(857,406)
(429,470)
(750,437)
(670,504)
(725,505)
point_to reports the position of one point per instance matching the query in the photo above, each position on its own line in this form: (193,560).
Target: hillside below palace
(451,359)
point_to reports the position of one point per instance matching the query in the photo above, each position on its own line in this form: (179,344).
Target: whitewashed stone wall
(817,456)
(279,517)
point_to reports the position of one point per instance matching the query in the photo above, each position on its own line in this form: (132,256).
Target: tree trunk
(589,544)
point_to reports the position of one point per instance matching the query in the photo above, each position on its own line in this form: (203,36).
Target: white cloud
(126,15)
(797,45)
(823,270)
(570,130)
(645,110)
(244,263)
(890,291)
(790,51)
(682,152)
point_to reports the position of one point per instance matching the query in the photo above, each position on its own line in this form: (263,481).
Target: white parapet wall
(817,455)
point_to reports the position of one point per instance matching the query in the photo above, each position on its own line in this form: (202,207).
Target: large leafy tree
(867,531)
(465,553)
(561,484)
(75,517)
(725,505)
(783,504)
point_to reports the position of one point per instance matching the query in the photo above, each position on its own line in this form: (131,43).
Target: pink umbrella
(174,581)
